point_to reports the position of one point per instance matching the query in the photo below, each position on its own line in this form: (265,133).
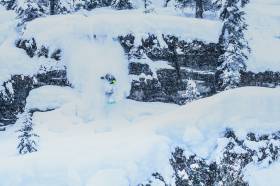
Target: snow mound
(262,176)
(14,61)
(200,123)
(116,23)
(49,97)
(73,152)
(7,23)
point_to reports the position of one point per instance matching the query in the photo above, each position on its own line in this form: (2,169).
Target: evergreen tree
(8,4)
(199,8)
(53,4)
(181,4)
(28,139)
(91,4)
(234,43)
(66,6)
(31,9)
(121,4)
(199,5)
(148,6)
(191,91)
(166,3)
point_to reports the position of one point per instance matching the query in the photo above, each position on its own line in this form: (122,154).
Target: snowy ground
(261,176)
(127,145)
(87,142)
(7,23)
(263,17)
(13,60)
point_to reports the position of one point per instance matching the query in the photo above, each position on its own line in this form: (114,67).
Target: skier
(109,87)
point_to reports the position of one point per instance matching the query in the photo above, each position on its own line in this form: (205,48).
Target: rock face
(233,156)
(15,91)
(177,61)
(160,69)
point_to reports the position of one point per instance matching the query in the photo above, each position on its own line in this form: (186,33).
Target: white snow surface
(262,176)
(13,60)
(131,140)
(7,23)
(85,141)
(111,24)
(49,97)
(91,48)
(263,17)
(106,24)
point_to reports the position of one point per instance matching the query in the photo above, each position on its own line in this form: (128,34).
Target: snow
(263,33)
(91,49)
(110,23)
(140,4)
(87,61)
(49,97)
(85,141)
(117,177)
(7,23)
(262,176)
(200,123)
(13,60)
(127,145)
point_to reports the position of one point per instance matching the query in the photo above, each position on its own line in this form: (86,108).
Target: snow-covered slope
(12,60)
(7,23)
(129,144)
(91,49)
(263,33)
(86,142)
(261,176)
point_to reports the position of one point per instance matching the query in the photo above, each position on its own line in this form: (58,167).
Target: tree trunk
(177,66)
(199,8)
(166,3)
(52,7)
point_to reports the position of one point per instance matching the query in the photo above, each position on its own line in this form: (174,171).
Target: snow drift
(74,153)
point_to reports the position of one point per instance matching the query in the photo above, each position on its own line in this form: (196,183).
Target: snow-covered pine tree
(181,4)
(199,5)
(28,140)
(8,4)
(148,6)
(236,47)
(199,8)
(66,6)
(121,4)
(91,4)
(53,4)
(31,9)
(191,91)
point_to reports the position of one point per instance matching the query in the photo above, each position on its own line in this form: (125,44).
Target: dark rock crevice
(194,60)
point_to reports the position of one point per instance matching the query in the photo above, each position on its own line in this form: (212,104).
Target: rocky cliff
(159,68)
